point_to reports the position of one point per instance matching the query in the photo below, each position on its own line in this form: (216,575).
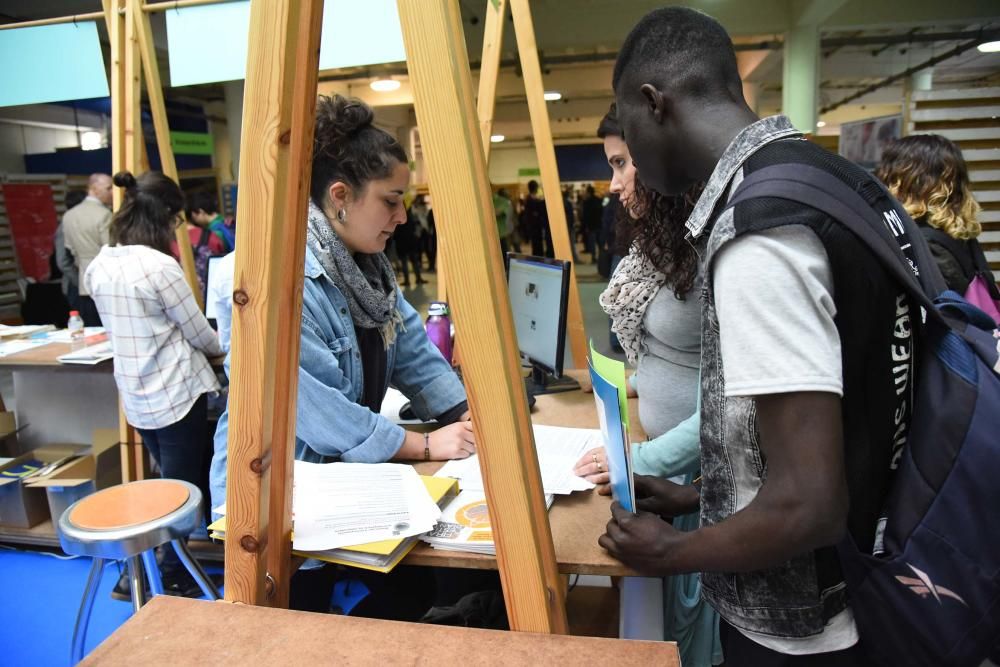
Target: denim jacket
(786,600)
(330,424)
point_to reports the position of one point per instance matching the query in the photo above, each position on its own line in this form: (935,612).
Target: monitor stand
(542,382)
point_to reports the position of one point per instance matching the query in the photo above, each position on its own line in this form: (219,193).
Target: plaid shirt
(159,336)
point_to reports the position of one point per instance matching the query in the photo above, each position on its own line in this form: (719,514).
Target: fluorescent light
(552,95)
(821,123)
(90,141)
(497,138)
(385,85)
(989,47)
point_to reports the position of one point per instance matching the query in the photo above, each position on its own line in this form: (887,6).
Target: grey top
(669,361)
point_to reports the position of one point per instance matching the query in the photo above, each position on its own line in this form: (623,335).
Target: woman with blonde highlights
(927,174)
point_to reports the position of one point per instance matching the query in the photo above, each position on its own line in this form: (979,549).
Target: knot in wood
(241,298)
(257,466)
(286,137)
(249,544)
(269,586)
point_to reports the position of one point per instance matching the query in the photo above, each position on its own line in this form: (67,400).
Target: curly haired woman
(927,174)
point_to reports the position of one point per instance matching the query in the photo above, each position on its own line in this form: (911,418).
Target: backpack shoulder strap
(825,192)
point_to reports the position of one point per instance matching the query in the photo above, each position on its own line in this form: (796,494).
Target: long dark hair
(348,147)
(148,212)
(657,230)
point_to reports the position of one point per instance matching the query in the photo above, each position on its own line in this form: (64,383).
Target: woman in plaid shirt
(160,337)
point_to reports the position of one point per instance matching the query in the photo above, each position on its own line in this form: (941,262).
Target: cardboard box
(23,505)
(97,467)
(8,434)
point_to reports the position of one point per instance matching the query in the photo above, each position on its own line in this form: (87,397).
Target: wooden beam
(132,86)
(121,107)
(489,70)
(531,69)
(442,85)
(90,16)
(275,166)
(158,109)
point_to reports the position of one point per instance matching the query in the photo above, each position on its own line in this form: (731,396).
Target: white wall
(505,162)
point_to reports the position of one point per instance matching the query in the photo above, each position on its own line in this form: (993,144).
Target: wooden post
(154,91)
(528,51)
(124,117)
(442,86)
(275,166)
(489,70)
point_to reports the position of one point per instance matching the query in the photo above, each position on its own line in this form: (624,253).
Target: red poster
(33,219)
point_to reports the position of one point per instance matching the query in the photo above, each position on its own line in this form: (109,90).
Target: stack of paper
(66,336)
(342,504)
(465,525)
(354,506)
(558,450)
(89,356)
(9,347)
(8,332)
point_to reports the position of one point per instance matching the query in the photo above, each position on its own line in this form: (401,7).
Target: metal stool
(128,522)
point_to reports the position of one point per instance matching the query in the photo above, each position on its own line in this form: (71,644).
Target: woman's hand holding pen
(455,441)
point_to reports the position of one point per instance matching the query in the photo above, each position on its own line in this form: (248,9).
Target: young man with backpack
(807,364)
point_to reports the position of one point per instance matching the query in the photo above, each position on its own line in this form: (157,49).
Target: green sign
(528,171)
(191,143)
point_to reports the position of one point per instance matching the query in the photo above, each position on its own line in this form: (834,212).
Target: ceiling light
(385,85)
(989,47)
(90,141)
(497,138)
(821,123)
(552,95)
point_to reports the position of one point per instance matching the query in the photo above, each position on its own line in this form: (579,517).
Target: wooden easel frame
(489,74)
(275,165)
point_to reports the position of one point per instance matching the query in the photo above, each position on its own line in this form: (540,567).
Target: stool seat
(128,519)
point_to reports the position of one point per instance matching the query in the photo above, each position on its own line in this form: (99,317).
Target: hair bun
(338,118)
(124,179)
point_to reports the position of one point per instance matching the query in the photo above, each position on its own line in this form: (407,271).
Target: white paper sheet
(344,504)
(558,451)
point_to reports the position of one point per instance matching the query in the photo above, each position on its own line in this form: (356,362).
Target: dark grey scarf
(368,282)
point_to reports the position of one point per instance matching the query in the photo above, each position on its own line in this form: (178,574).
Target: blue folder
(615,441)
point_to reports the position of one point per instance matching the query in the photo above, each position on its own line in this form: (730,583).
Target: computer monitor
(539,294)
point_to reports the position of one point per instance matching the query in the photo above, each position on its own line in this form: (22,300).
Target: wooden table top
(576,520)
(187,632)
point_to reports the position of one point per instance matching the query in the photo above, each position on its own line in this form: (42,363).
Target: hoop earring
(342,216)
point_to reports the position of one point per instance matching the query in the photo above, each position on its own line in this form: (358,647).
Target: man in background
(86,228)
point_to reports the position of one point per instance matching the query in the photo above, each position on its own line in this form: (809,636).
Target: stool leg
(207,587)
(135,579)
(152,572)
(86,606)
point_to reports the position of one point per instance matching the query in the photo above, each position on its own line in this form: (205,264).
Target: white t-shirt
(774,300)
(220,293)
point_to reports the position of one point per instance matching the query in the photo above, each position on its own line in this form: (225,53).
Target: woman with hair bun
(160,340)
(927,174)
(358,333)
